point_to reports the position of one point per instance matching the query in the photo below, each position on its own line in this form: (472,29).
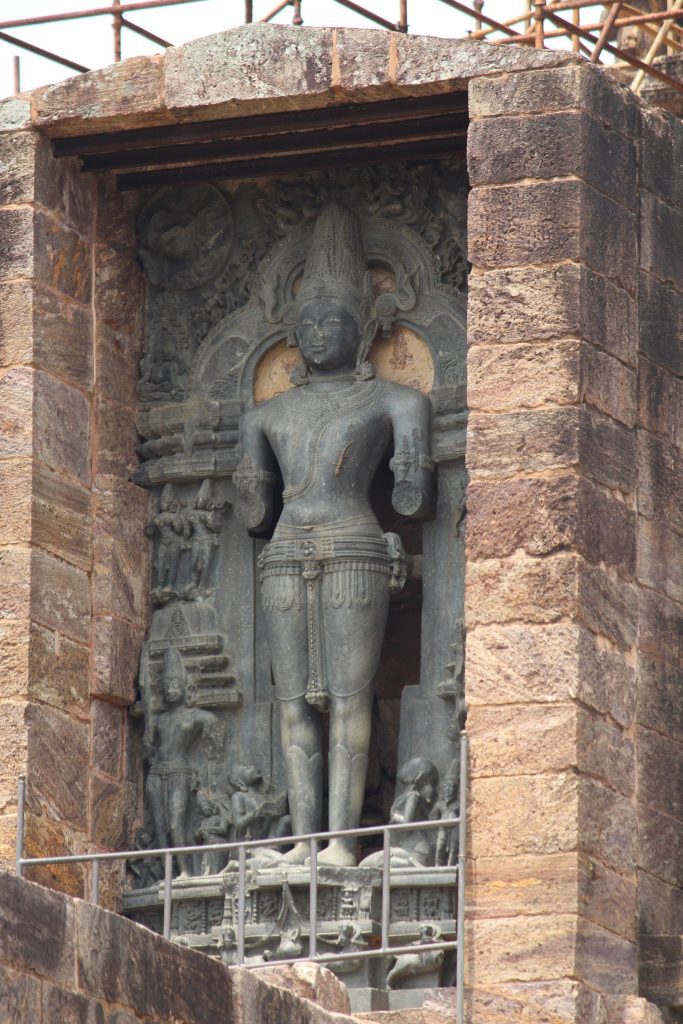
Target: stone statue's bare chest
(337,438)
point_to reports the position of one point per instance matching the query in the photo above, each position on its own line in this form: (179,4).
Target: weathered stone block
(607,898)
(16,402)
(61,257)
(608,605)
(120,962)
(58,752)
(524,590)
(510,377)
(609,316)
(309,981)
(15,113)
(59,1005)
(504,444)
(604,751)
(37,932)
(608,234)
(363,58)
(607,825)
(508,306)
(523,948)
(660,635)
(661,228)
(547,733)
(607,962)
(14,752)
(534,884)
(656,397)
(659,690)
(15,501)
(607,451)
(62,338)
(14,659)
(660,906)
(61,426)
(106,729)
(115,809)
(559,1001)
(117,655)
(520,224)
(660,845)
(117,357)
(661,323)
(249,66)
(129,94)
(116,438)
(631,1010)
(660,772)
(568,88)
(17,256)
(19,997)
(542,515)
(608,385)
(15,583)
(660,477)
(61,516)
(121,550)
(17,167)
(502,150)
(661,155)
(44,837)
(60,596)
(546,818)
(59,671)
(116,213)
(660,558)
(119,291)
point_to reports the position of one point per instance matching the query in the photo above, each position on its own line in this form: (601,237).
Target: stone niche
(223,264)
(159,310)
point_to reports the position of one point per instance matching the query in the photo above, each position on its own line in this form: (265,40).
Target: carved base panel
(277,916)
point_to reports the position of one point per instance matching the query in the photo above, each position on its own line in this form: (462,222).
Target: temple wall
(73,557)
(573,585)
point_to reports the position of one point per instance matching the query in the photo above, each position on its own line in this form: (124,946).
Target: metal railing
(456,873)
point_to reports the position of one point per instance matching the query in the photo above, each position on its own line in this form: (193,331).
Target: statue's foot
(299,854)
(337,855)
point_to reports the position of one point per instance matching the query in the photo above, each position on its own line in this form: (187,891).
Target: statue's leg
(175,553)
(300,725)
(179,796)
(154,792)
(353,637)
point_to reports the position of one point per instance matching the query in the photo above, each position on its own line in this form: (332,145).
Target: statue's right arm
(254,477)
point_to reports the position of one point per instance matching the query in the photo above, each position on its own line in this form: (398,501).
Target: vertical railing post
(313,906)
(539,32)
(21,809)
(402,24)
(241,901)
(116,28)
(462,866)
(168,893)
(248,11)
(386,886)
(95,882)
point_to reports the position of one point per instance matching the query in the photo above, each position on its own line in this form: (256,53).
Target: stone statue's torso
(328,445)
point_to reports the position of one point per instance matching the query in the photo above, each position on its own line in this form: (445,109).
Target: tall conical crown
(336,259)
(173,665)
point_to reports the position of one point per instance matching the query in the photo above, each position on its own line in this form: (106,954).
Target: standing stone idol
(328,570)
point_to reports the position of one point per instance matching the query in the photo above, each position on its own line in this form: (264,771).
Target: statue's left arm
(412,463)
(254,477)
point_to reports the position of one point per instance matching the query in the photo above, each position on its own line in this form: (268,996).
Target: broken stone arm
(254,478)
(412,464)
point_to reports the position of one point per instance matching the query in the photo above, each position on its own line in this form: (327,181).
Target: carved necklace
(323,408)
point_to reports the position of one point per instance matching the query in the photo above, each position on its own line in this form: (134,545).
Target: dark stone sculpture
(327,572)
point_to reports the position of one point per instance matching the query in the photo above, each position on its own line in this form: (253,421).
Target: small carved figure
(204,525)
(216,821)
(169,529)
(256,813)
(147,870)
(327,572)
(448,806)
(412,849)
(170,738)
(348,940)
(407,965)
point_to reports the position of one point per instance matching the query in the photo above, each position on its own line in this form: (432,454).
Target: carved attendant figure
(327,572)
(169,741)
(169,526)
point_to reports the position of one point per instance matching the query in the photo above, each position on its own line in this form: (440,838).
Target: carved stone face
(328,334)
(173,688)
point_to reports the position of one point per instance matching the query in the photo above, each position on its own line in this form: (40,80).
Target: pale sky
(88,41)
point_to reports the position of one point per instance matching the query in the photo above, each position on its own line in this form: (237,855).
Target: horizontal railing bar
(356,955)
(373,830)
